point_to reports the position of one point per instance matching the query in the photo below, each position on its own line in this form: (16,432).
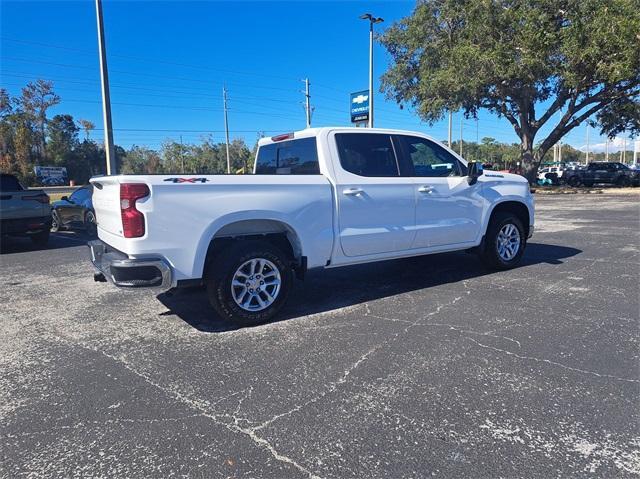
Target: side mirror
(474,172)
(64,198)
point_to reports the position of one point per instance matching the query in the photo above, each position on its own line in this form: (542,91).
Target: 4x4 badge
(187,180)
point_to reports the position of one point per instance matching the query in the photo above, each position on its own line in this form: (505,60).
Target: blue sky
(168,62)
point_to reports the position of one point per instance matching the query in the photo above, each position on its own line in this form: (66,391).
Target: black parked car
(603,172)
(76,211)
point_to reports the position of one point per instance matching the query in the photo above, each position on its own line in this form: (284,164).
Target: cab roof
(313,132)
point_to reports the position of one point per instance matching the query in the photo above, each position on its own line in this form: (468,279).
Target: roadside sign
(359,106)
(51,175)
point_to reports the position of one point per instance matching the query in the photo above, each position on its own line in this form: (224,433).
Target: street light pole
(372,20)
(106,100)
(226,127)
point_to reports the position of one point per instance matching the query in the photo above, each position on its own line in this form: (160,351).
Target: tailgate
(106,204)
(12,206)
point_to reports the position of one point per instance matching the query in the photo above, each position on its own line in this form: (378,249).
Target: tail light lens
(132,219)
(40,198)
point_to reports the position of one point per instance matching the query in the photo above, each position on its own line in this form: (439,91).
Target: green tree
(140,160)
(87,126)
(36,99)
(63,137)
(534,62)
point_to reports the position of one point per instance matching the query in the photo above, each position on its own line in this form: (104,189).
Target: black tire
(55,222)
(40,239)
(220,273)
(90,224)
(624,181)
(489,253)
(574,181)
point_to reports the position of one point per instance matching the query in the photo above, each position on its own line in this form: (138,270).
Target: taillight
(40,198)
(132,219)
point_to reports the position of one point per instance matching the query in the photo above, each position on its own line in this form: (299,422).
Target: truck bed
(183,213)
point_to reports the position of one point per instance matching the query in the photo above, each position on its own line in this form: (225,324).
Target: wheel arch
(518,208)
(276,231)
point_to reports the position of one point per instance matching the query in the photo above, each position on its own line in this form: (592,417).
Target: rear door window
(367,154)
(294,157)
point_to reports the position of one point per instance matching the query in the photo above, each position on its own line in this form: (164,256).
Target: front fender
(496,193)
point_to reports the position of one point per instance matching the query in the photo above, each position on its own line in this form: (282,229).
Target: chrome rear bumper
(126,272)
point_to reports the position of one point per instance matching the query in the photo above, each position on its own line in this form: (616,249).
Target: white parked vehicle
(543,172)
(318,198)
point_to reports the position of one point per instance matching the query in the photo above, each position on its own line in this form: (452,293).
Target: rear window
(9,183)
(294,157)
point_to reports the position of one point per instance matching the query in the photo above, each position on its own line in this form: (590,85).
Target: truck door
(448,209)
(376,205)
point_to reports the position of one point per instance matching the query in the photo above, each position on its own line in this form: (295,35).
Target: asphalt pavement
(423,367)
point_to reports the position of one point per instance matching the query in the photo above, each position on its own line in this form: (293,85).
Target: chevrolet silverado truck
(317,198)
(24,212)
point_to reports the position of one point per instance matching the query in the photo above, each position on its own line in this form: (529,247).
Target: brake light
(286,136)
(132,219)
(40,198)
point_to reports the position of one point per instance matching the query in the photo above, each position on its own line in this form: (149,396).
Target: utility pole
(559,152)
(181,155)
(450,128)
(226,127)
(112,168)
(624,150)
(555,153)
(307,104)
(586,158)
(606,149)
(461,118)
(636,147)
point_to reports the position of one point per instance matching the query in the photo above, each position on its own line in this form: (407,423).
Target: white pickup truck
(318,198)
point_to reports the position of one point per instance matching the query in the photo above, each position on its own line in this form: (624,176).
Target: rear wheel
(249,283)
(40,239)
(574,181)
(504,242)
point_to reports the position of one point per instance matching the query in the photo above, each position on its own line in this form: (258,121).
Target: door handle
(426,189)
(352,191)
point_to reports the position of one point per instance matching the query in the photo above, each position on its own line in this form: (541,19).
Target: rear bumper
(17,226)
(125,272)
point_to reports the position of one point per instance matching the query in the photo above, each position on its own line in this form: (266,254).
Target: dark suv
(603,172)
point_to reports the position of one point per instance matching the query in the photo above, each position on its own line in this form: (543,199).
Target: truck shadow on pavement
(59,240)
(327,290)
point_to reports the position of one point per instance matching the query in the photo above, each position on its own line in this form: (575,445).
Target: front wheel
(55,222)
(624,181)
(90,224)
(504,242)
(249,283)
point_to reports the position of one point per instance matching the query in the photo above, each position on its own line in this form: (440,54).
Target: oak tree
(537,63)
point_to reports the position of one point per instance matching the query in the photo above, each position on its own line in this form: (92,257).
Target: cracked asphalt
(422,367)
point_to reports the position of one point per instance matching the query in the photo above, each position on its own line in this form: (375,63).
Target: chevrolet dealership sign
(360,106)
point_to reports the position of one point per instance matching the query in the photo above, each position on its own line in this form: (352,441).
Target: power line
(138,74)
(150,60)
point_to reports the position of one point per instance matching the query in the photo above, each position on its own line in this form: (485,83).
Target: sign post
(359,107)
